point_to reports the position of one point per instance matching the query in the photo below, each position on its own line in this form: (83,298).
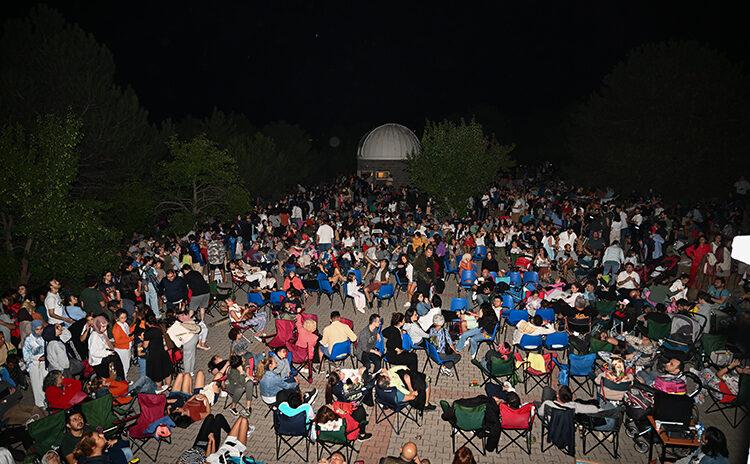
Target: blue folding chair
(547,314)
(401,286)
(515,278)
(434,356)
(325,288)
(467,279)
(358,274)
(257,299)
(386,293)
(557,341)
(450,269)
(581,372)
(338,355)
(459,304)
(531,343)
(480,252)
(277,299)
(493,275)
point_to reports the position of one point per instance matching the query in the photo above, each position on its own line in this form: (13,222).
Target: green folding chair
(597,345)
(469,424)
(605,307)
(100,413)
(47,432)
(499,370)
(330,442)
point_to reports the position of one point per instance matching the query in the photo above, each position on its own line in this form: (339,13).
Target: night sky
(326,64)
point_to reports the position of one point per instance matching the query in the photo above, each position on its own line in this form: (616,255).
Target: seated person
(349,385)
(407,455)
(368,338)
(426,320)
(292,280)
(483,287)
(234,445)
(536,326)
(381,277)
(394,344)
(614,381)
(486,323)
(401,385)
(441,338)
(581,317)
(333,416)
(94,448)
(239,384)
(62,393)
(336,332)
(239,345)
(283,366)
(501,351)
(354,290)
(295,404)
(671,371)
(413,329)
(726,380)
(247,317)
(75,430)
(564,399)
(273,388)
(205,442)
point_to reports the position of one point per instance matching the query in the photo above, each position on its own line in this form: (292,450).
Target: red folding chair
(301,358)
(152,409)
(540,378)
(516,424)
(348,322)
(284,333)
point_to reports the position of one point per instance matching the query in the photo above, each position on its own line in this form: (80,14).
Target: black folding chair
(291,431)
(602,427)
(385,409)
(552,420)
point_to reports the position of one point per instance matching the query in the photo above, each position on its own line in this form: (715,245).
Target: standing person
(102,351)
(53,304)
(324,236)
(123,335)
(92,299)
(33,356)
(217,257)
(150,285)
(158,365)
(174,290)
(696,252)
(201,295)
(612,259)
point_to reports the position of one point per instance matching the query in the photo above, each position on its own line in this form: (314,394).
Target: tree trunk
(23,274)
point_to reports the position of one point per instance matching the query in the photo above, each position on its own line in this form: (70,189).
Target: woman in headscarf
(33,356)
(102,351)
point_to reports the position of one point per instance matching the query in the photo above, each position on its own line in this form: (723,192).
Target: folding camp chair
(152,409)
(330,442)
(516,424)
(284,333)
(734,409)
(539,377)
(219,295)
(47,432)
(99,413)
(547,314)
(581,372)
(433,355)
(557,341)
(499,370)
(291,431)
(386,293)
(239,283)
(594,427)
(385,409)
(337,356)
(658,331)
(276,299)
(480,252)
(550,420)
(469,423)
(514,317)
(257,299)
(300,358)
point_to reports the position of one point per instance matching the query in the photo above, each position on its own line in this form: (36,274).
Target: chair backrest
(341,350)
(380,344)
(468,278)
(556,341)
(515,278)
(517,315)
(547,314)
(505,280)
(98,412)
(597,345)
(544,363)
(501,367)
(47,432)
(348,322)
(432,352)
(277,297)
(531,342)
(508,301)
(295,426)
(399,282)
(406,342)
(743,392)
(332,436)
(480,252)
(516,419)
(256,299)
(658,331)
(152,408)
(581,364)
(450,267)
(386,291)
(284,333)
(530,277)
(387,397)
(357,273)
(469,418)
(459,304)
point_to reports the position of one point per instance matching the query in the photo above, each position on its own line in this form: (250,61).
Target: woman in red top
(62,393)
(696,252)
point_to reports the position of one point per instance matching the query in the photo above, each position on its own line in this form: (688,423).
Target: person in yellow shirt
(336,332)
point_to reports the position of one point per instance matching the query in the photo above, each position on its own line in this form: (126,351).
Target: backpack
(671,385)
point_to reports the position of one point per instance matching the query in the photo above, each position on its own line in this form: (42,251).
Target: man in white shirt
(628,279)
(567,237)
(613,258)
(325,236)
(54,306)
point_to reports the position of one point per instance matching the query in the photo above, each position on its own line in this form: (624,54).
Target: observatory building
(383,152)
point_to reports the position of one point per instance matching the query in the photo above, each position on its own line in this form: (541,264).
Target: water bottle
(699,428)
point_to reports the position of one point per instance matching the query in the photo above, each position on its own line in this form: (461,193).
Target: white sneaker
(446,372)
(407,304)
(162,389)
(223,394)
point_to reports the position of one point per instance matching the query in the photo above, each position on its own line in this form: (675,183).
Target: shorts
(231,448)
(374,286)
(199,301)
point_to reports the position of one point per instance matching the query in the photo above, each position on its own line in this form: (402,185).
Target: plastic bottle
(699,428)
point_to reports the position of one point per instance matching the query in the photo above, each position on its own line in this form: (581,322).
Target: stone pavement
(433,436)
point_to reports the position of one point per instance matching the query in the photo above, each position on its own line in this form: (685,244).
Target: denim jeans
(473,336)
(152,300)
(611,268)
(143,385)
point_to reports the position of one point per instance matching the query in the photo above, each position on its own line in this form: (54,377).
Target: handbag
(179,334)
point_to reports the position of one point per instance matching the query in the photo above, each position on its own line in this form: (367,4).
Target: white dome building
(382,153)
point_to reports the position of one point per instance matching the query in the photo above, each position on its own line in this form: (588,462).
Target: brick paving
(433,436)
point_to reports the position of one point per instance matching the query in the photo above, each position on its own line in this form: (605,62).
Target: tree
(45,230)
(201,180)
(675,113)
(457,161)
(48,65)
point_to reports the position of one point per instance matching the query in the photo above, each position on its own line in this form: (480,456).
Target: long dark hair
(333,379)
(716,443)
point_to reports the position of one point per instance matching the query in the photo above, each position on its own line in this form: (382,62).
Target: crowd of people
(527,244)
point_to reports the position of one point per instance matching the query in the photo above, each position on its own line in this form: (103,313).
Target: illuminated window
(383,175)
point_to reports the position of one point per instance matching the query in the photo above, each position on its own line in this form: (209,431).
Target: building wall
(399,174)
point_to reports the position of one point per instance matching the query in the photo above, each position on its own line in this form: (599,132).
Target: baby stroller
(642,401)
(684,340)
